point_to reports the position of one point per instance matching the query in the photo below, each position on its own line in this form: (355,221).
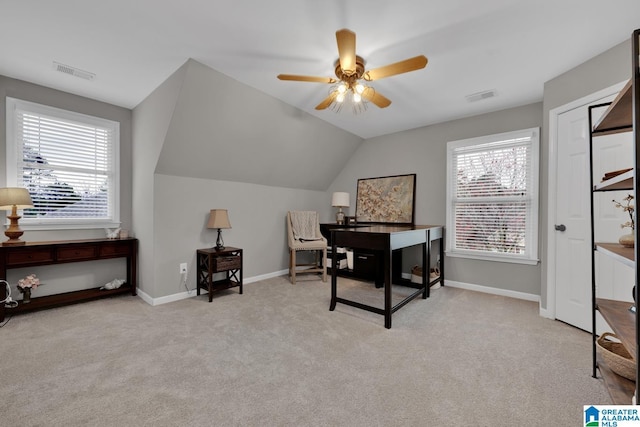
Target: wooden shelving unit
(621,115)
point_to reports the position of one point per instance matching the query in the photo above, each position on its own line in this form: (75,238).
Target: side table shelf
(211,261)
(622,321)
(34,254)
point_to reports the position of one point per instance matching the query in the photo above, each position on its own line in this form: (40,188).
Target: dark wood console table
(34,254)
(384,239)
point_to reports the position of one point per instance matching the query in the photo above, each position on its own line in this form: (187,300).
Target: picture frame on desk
(350,220)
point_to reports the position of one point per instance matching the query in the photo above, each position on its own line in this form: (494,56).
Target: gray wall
(607,69)
(205,141)
(223,129)
(179,168)
(81,275)
(423,151)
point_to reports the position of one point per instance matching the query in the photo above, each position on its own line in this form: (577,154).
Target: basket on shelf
(616,357)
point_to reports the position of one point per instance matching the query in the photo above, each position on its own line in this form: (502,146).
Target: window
(492,197)
(69,163)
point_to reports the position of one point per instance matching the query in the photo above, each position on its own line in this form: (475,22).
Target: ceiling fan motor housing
(348,76)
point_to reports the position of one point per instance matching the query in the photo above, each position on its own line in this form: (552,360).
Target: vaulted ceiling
(508,46)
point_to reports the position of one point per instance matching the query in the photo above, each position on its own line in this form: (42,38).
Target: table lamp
(340,200)
(218,218)
(12,199)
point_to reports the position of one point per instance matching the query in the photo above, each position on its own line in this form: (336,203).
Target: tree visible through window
(492,196)
(67,161)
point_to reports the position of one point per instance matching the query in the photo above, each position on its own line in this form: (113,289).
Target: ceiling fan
(352,75)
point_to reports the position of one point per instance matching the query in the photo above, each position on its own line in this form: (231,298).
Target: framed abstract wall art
(386,200)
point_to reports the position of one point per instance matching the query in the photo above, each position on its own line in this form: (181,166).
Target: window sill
(494,258)
(68,226)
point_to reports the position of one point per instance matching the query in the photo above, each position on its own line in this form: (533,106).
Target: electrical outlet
(183,268)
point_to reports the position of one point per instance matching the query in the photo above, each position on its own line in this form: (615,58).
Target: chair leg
(324,265)
(292,267)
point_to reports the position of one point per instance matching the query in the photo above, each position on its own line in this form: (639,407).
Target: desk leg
(387,287)
(334,276)
(426,267)
(441,242)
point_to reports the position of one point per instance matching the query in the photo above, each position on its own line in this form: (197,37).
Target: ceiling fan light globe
(357,97)
(340,97)
(342,88)
(359,88)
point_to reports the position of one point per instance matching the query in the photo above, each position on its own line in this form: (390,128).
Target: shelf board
(623,181)
(621,320)
(67,298)
(620,389)
(618,117)
(617,252)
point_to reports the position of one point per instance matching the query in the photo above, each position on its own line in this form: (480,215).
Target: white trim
(487,257)
(550,310)
(468,286)
(188,294)
(265,276)
(494,291)
(532,234)
(12,155)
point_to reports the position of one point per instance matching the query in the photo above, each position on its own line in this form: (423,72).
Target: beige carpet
(276,356)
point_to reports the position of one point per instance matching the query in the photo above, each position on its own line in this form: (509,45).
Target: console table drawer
(227,263)
(114,249)
(26,257)
(76,253)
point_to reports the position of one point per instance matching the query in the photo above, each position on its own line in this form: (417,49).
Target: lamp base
(219,241)
(13,242)
(13,232)
(340,217)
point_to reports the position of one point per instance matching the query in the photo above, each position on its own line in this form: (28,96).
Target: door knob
(560,227)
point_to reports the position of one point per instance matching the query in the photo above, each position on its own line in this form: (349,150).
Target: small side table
(211,261)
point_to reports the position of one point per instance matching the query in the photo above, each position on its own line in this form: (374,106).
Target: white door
(573,248)
(573,212)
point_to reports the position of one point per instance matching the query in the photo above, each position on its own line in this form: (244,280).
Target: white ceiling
(132,46)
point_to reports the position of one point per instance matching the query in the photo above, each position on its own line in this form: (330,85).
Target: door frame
(550,311)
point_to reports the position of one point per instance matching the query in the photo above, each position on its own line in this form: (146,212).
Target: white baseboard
(546,314)
(488,290)
(166,299)
(265,276)
(184,295)
(469,286)
(494,291)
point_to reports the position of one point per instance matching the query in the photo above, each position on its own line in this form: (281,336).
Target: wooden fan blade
(347,50)
(307,78)
(326,102)
(372,96)
(405,66)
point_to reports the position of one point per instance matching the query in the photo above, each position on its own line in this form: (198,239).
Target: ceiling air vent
(72,71)
(479,96)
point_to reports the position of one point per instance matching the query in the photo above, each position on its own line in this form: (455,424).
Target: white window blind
(492,188)
(67,161)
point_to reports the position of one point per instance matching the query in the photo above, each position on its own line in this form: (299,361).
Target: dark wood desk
(65,251)
(384,239)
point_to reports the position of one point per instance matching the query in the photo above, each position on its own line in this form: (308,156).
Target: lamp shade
(17,196)
(340,199)
(219,218)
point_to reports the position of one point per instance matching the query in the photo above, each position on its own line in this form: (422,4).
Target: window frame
(531,230)
(12,152)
